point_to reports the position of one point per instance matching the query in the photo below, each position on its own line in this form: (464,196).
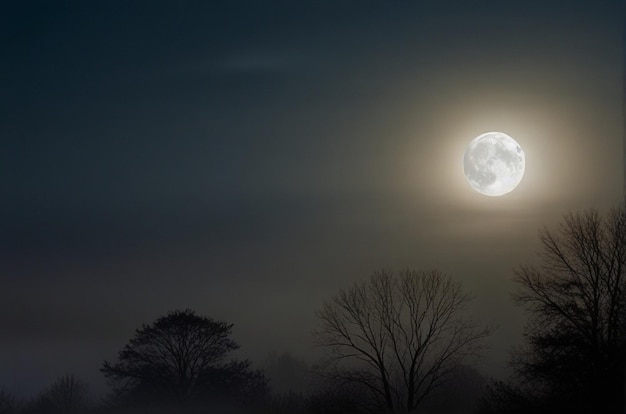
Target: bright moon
(494,163)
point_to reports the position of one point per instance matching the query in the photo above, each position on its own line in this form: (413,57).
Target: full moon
(494,163)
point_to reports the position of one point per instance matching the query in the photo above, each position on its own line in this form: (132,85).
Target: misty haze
(262,207)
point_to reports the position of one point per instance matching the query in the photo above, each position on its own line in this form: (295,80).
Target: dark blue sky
(248,158)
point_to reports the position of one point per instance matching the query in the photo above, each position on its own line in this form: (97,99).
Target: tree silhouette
(287,373)
(576,335)
(8,402)
(461,394)
(349,398)
(179,359)
(399,337)
(503,397)
(66,395)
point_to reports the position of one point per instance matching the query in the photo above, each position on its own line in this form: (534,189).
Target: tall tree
(576,296)
(399,336)
(181,358)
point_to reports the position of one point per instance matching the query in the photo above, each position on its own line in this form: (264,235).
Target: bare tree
(576,336)
(68,395)
(287,373)
(8,402)
(398,336)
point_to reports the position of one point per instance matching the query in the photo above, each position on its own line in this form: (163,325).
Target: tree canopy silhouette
(576,335)
(399,336)
(180,358)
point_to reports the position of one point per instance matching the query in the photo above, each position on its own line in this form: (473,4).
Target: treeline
(394,343)
(180,364)
(69,394)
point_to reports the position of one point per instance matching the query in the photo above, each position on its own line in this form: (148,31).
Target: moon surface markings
(494,163)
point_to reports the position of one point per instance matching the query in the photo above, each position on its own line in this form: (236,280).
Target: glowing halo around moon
(494,163)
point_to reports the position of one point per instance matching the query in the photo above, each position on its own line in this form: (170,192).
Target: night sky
(248,158)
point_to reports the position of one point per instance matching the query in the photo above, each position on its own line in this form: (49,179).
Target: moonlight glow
(494,163)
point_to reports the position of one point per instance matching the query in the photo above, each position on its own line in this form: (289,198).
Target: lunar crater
(494,163)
